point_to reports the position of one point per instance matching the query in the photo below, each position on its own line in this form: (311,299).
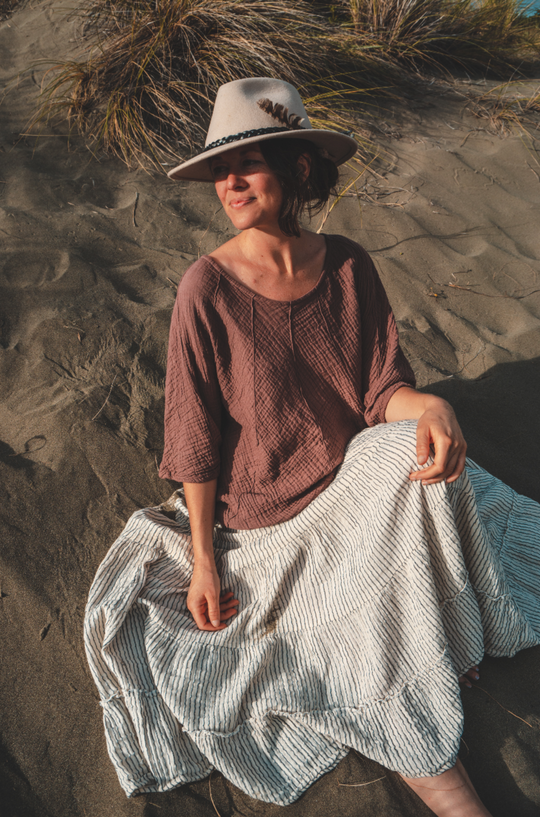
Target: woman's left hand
(438,428)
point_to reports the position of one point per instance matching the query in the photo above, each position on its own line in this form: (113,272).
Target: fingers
(204,608)
(213,612)
(201,618)
(206,616)
(423,444)
(445,466)
(460,466)
(448,462)
(228,606)
(444,469)
(473,674)
(229,613)
(438,430)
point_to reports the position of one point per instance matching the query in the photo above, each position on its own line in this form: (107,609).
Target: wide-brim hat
(250,110)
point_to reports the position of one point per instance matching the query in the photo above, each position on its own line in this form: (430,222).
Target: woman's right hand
(209,608)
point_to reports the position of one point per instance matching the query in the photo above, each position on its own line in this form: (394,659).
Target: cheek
(221,190)
(274,192)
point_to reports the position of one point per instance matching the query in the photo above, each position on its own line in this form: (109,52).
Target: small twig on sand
(106,399)
(475,686)
(534,171)
(80,332)
(135,207)
(211,798)
(474,130)
(357,785)
(489,295)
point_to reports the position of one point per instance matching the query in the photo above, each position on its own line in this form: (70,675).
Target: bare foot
(472,673)
(450,794)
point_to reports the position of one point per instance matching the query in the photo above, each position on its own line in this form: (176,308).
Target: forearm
(201,504)
(409,404)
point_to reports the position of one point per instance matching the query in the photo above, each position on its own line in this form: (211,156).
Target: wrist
(204,561)
(438,404)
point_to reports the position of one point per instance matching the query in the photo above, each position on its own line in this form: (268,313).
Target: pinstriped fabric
(356,618)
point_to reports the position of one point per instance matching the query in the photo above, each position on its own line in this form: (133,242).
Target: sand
(91,255)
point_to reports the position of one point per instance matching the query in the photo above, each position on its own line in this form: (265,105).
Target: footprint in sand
(34,268)
(117,198)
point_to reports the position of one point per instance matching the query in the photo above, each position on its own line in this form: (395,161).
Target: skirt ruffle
(356,618)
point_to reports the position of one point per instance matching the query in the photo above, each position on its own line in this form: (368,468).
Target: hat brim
(340,149)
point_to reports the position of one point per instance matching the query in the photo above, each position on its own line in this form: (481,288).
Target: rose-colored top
(265,394)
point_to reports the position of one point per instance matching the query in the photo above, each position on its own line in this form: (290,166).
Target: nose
(234,182)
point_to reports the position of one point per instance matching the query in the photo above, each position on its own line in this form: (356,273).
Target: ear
(304,166)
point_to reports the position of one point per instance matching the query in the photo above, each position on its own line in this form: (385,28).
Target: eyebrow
(221,156)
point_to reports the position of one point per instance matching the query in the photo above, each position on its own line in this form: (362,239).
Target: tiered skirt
(356,619)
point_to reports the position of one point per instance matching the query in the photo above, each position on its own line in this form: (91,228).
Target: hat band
(246,134)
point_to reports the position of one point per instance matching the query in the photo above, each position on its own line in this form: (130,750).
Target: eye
(218,171)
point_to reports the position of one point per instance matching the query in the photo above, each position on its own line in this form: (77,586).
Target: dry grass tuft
(7,7)
(488,34)
(145,89)
(505,109)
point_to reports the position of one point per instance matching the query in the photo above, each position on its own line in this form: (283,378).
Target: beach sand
(91,256)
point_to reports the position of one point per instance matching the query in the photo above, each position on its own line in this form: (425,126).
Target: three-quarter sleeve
(192,395)
(385,369)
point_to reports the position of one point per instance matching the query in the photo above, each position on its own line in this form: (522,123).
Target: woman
(352,577)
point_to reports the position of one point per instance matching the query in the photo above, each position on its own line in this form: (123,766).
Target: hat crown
(242,105)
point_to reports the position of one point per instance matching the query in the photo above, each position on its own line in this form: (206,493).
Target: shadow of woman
(500,417)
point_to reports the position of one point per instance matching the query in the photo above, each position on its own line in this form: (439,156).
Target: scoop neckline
(253,294)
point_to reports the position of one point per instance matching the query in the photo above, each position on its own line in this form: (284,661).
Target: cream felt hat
(250,110)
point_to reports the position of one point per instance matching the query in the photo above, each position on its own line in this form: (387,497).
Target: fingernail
(216,623)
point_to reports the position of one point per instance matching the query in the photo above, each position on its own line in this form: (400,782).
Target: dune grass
(7,7)
(148,83)
(145,86)
(507,108)
(487,34)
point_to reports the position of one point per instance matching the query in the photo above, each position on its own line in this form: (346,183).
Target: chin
(243,223)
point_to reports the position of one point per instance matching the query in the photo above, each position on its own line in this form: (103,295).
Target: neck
(284,253)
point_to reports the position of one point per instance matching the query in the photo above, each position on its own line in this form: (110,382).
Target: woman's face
(248,190)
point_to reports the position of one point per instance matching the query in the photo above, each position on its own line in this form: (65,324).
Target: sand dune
(91,254)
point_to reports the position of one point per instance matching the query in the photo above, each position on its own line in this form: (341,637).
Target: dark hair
(311,194)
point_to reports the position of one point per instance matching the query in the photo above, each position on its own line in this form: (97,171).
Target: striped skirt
(356,618)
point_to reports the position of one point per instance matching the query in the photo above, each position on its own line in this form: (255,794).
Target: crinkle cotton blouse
(264,395)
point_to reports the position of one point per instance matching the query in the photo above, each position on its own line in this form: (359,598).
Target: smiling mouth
(238,203)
